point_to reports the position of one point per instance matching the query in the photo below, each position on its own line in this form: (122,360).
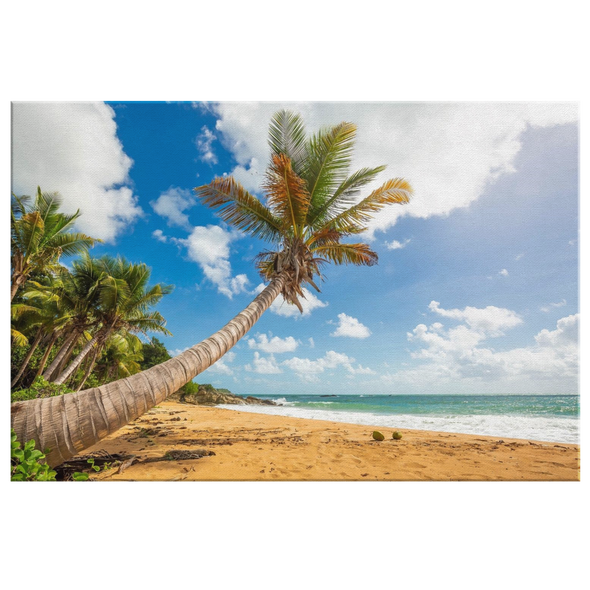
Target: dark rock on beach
(209,396)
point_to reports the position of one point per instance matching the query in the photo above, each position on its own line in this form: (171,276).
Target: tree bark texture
(28,357)
(66,425)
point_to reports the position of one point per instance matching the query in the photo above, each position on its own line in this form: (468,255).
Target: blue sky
(476,289)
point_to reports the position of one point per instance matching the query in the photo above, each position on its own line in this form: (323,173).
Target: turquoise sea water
(553,418)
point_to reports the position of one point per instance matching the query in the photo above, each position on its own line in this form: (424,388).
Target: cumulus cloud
(503,272)
(208,246)
(159,235)
(221,367)
(279,306)
(171,205)
(203,142)
(264,365)
(273,345)
(309,370)
(448,151)
(395,245)
(73,149)
(350,327)
(490,320)
(459,357)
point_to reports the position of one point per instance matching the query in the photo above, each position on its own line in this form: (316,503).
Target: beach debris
(378,436)
(396,435)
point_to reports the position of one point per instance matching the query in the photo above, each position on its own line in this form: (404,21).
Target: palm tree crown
(40,234)
(311,203)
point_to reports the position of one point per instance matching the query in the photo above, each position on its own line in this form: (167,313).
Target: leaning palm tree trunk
(48,348)
(67,373)
(66,346)
(28,357)
(91,363)
(68,424)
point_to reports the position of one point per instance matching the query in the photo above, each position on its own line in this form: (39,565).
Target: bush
(28,464)
(39,388)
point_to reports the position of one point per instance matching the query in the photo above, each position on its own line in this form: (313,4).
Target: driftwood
(180,455)
(66,470)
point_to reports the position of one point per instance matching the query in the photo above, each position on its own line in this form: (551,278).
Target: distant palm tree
(121,357)
(40,234)
(312,205)
(124,301)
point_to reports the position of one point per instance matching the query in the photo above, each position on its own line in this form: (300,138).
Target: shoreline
(248,446)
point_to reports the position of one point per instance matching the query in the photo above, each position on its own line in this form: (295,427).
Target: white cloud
(308,370)
(395,245)
(221,367)
(547,308)
(565,334)
(209,247)
(448,151)
(311,343)
(203,143)
(280,307)
(73,149)
(458,358)
(159,235)
(171,204)
(503,272)
(519,256)
(350,327)
(273,345)
(264,365)
(490,320)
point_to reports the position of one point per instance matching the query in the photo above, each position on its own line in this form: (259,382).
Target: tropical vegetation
(310,216)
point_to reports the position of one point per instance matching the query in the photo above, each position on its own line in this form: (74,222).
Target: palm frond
(329,155)
(149,322)
(30,228)
(287,194)
(145,300)
(70,244)
(358,254)
(17,310)
(345,195)
(239,208)
(287,136)
(396,190)
(48,204)
(18,338)
(113,293)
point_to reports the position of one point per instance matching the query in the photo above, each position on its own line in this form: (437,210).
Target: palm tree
(38,304)
(121,358)
(124,299)
(40,235)
(311,205)
(77,295)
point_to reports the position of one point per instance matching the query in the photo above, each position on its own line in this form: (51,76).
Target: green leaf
(36,455)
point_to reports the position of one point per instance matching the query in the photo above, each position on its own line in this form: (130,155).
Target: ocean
(550,418)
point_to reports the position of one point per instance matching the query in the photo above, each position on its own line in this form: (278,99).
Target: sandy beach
(167,443)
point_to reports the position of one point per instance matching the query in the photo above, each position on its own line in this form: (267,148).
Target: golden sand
(249,446)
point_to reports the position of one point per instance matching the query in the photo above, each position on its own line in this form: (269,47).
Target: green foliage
(378,436)
(80,476)
(154,353)
(191,387)
(396,435)
(39,388)
(27,464)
